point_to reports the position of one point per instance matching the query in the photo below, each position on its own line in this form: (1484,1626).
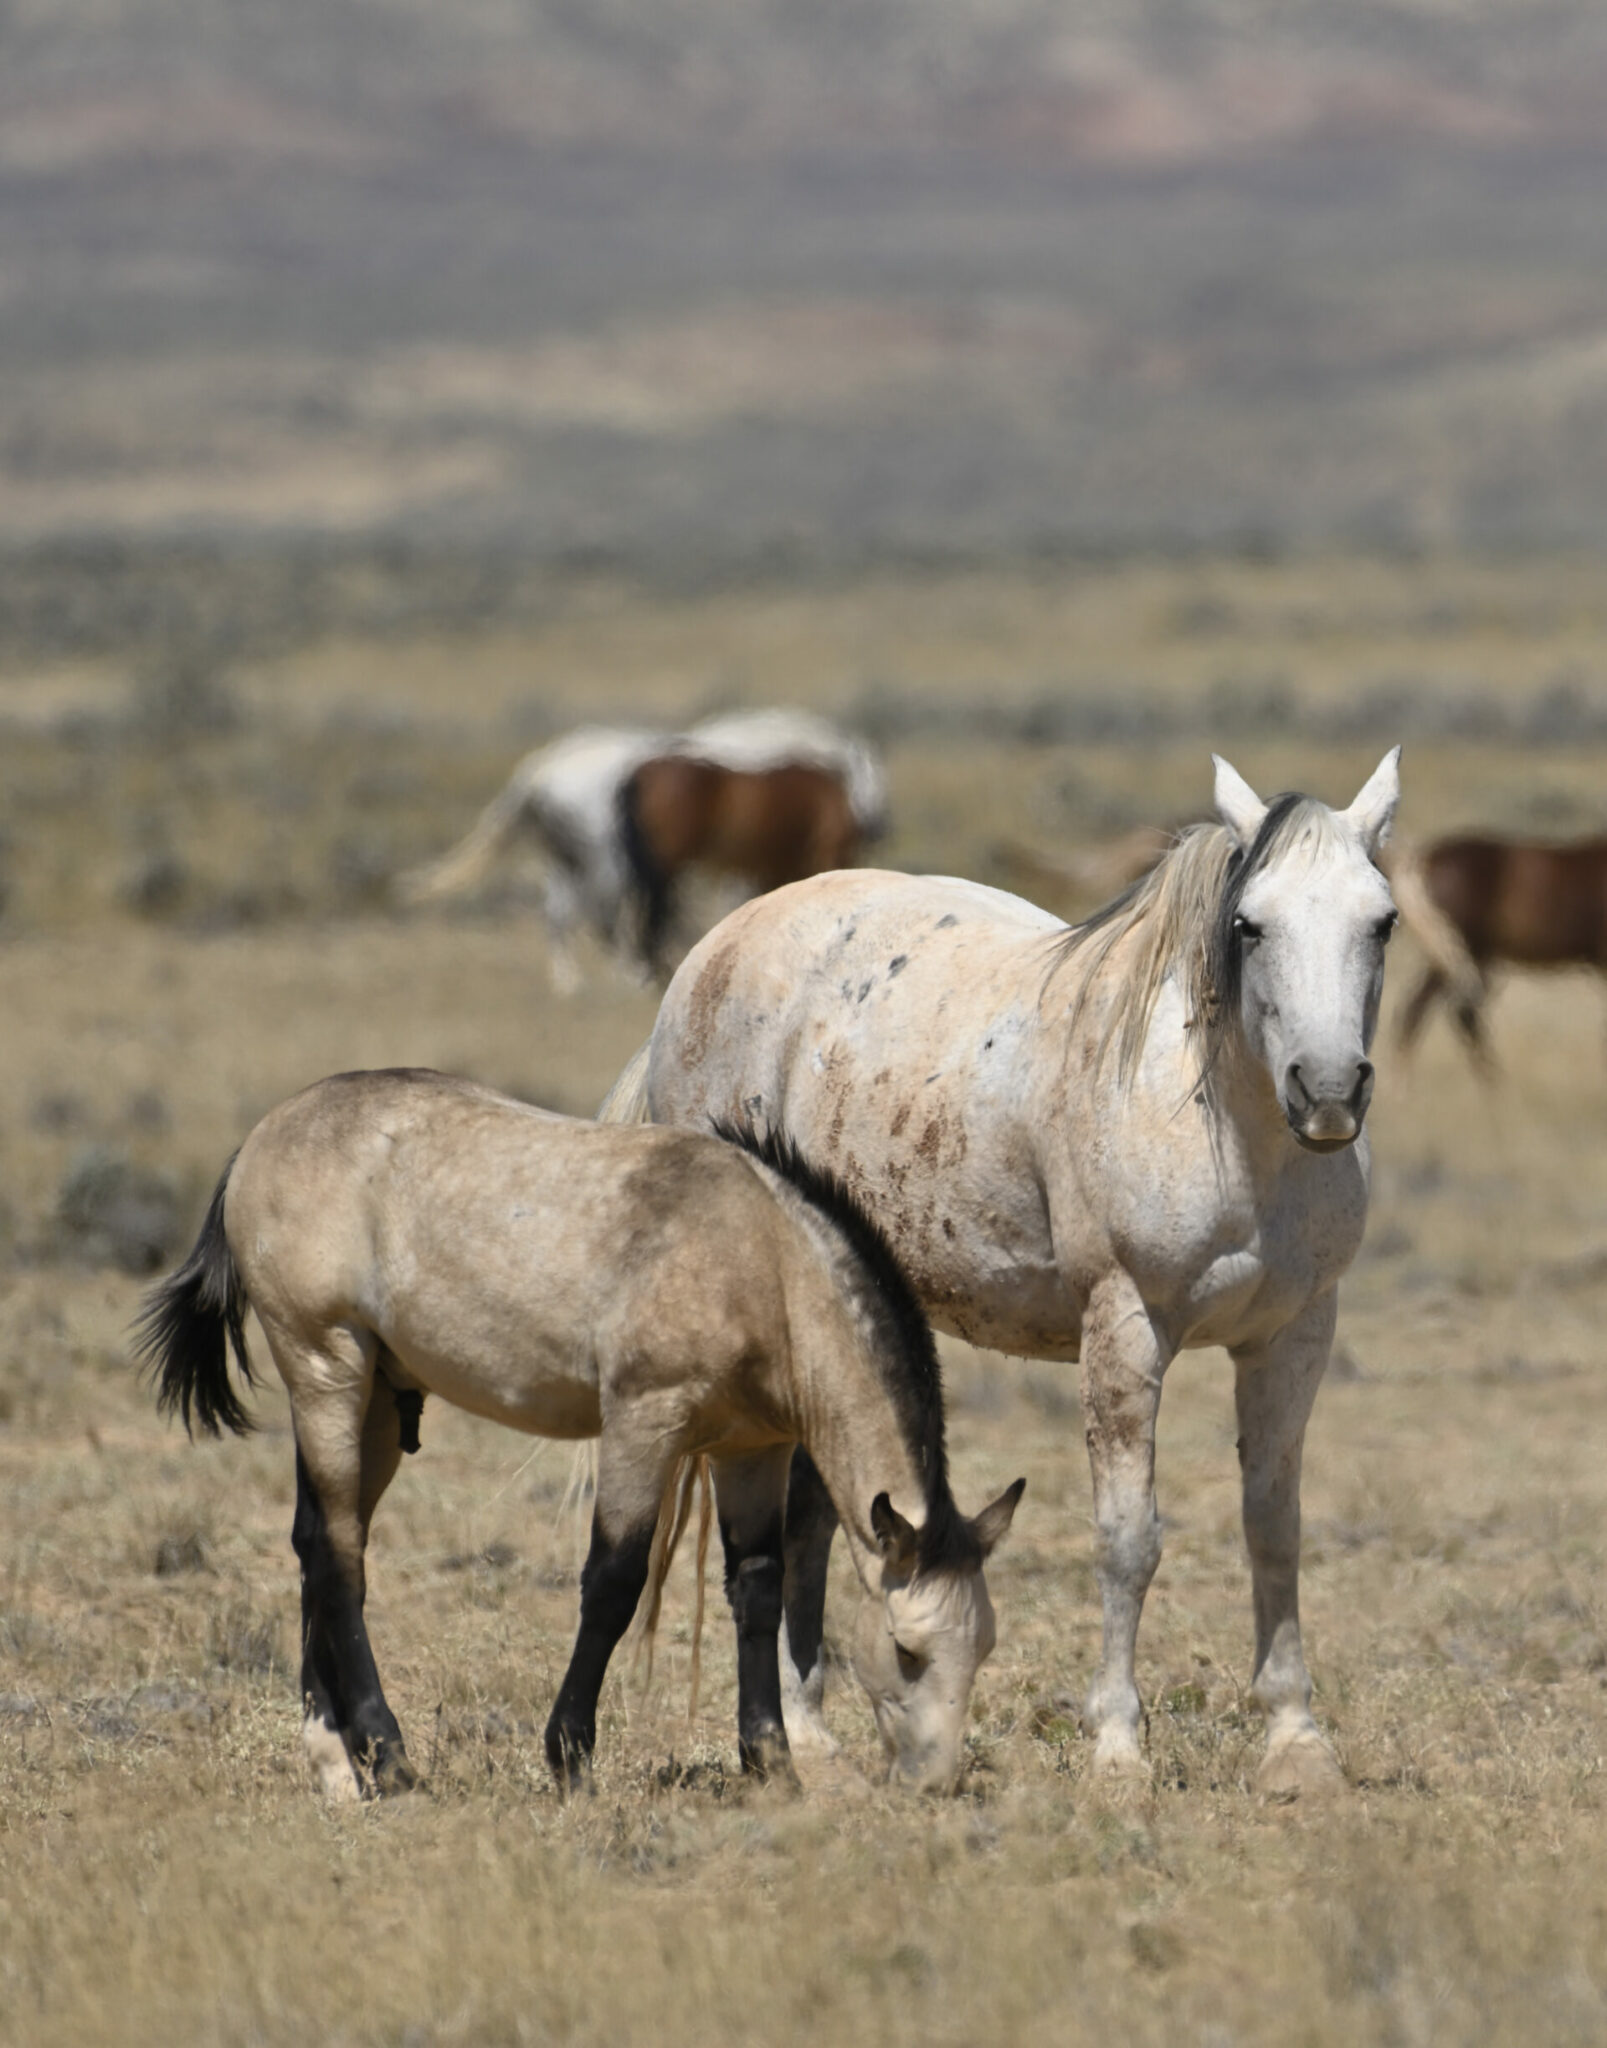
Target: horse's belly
(541,1395)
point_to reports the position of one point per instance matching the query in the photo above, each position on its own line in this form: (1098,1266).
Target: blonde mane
(1179,919)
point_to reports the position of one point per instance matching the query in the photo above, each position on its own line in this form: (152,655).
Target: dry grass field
(195,923)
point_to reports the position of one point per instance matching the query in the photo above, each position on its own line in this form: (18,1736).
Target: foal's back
(511,1259)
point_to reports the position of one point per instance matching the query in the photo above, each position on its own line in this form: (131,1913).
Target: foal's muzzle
(1326,1112)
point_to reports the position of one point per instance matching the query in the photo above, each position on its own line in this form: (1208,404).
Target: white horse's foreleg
(1123,1365)
(1275,1388)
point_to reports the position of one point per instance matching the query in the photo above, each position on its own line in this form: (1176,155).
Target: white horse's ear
(1373,812)
(1237,804)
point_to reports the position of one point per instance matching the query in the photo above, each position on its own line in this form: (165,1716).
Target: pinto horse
(1114,1141)
(765,796)
(764,826)
(1477,899)
(405,1234)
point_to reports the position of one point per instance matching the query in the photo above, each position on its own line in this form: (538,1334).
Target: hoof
(767,1759)
(832,1777)
(1118,1758)
(570,1765)
(800,1708)
(574,1779)
(1299,1766)
(809,1735)
(332,1768)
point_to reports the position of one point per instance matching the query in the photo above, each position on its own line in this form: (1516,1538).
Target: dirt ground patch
(165,1872)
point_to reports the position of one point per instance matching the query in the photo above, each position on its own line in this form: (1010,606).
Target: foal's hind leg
(750,1493)
(349,1731)
(811,1523)
(1275,1389)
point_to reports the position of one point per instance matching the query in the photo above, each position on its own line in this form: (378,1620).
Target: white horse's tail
(1444,945)
(626,1101)
(675,1511)
(465,864)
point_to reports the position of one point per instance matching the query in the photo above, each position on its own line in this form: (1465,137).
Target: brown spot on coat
(702,1013)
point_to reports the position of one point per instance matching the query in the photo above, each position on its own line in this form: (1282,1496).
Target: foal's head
(917,1650)
(1298,949)
(926,1628)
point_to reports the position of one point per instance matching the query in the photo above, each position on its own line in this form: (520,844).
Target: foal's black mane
(906,1356)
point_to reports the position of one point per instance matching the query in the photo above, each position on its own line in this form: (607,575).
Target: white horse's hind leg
(1123,1366)
(1275,1389)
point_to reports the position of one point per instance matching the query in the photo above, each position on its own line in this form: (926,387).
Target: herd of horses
(872,1104)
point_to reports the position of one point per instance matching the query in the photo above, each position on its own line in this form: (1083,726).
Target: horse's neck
(851,1430)
(1176,1071)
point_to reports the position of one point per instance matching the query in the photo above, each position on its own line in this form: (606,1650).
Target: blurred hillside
(781,282)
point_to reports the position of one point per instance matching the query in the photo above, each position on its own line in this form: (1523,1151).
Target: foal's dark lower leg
(811,1523)
(610,1586)
(753,1586)
(750,1493)
(339,1678)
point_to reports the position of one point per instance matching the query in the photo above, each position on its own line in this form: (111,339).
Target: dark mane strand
(1224,960)
(906,1357)
(1183,912)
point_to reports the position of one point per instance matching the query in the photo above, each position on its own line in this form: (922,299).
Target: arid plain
(196,922)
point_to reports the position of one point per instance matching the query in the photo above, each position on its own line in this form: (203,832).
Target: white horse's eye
(1247,931)
(1385,926)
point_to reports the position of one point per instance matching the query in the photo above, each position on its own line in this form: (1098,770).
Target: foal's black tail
(179,1333)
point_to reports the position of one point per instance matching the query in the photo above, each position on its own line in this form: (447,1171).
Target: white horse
(566,798)
(1117,1141)
(404,1234)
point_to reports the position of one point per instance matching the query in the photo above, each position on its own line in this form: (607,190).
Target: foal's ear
(896,1536)
(993,1524)
(1373,812)
(1237,804)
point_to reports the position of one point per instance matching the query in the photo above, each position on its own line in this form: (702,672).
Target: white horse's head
(917,1649)
(1300,946)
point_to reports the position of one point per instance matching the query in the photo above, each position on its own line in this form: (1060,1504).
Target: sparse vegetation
(165,1873)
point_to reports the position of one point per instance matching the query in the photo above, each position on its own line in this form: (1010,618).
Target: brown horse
(766,826)
(1477,899)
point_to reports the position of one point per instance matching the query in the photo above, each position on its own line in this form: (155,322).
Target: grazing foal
(402,1234)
